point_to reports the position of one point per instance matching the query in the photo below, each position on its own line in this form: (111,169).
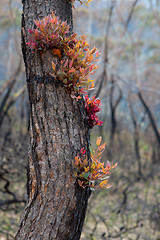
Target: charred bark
(57,205)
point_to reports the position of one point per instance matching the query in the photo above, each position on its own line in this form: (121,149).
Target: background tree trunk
(58,129)
(150,116)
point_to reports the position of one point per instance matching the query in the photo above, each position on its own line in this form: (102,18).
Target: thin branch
(151,118)
(104,73)
(13,201)
(134,87)
(130,14)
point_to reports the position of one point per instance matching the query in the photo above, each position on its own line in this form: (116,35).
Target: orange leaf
(102,147)
(103,183)
(92,85)
(99,141)
(53,66)
(57,52)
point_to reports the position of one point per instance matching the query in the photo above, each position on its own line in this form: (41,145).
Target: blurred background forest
(127,34)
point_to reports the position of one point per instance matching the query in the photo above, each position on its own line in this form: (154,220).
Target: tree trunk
(56,206)
(151,118)
(136,139)
(113,108)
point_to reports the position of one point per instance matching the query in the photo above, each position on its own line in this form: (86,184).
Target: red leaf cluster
(77,61)
(77,65)
(88,172)
(50,32)
(92,107)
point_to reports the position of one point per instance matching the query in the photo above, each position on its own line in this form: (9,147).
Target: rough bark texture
(57,205)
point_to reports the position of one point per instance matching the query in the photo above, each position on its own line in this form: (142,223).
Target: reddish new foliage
(88,172)
(92,107)
(50,32)
(77,61)
(77,65)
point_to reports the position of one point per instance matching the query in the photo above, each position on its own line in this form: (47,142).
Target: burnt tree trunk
(56,206)
(150,116)
(113,108)
(136,139)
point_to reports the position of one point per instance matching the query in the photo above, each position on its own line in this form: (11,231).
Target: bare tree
(150,116)
(113,107)
(136,137)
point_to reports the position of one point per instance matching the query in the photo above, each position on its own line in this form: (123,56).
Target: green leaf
(84,175)
(65,81)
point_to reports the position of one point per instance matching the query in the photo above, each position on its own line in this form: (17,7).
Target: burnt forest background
(128,83)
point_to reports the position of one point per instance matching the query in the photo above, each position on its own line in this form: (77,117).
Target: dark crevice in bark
(47,143)
(46,149)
